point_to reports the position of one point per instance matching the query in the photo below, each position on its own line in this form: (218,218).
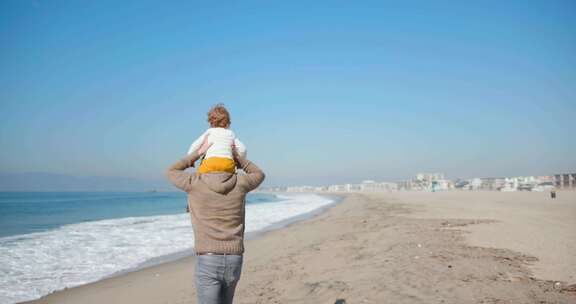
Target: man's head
(218,117)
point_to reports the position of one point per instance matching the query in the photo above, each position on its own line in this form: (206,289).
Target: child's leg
(217,164)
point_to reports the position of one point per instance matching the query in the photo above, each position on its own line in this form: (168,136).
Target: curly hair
(218,117)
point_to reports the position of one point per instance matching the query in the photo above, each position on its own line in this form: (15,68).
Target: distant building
(353,187)
(437,182)
(461,184)
(428,182)
(565,180)
(442,185)
(429,177)
(336,188)
(492,183)
(301,189)
(404,185)
(475,184)
(372,186)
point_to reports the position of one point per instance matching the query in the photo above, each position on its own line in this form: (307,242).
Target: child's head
(218,117)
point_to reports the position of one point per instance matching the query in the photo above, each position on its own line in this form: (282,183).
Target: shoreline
(189,253)
(336,199)
(365,249)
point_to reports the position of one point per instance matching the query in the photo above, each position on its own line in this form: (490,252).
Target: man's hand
(204,147)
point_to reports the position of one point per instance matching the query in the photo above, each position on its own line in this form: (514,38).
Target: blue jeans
(216,278)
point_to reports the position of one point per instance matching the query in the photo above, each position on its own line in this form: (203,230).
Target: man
(216,202)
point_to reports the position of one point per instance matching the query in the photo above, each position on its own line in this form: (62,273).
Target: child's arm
(197,143)
(240,148)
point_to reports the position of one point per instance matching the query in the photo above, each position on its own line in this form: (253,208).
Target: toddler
(219,157)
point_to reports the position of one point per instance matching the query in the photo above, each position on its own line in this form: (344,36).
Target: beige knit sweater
(217,203)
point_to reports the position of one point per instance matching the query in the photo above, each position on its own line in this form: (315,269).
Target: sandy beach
(452,247)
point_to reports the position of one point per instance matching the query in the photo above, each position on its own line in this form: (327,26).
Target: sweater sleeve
(177,175)
(254,176)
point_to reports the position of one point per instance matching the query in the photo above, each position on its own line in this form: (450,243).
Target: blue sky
(320,91)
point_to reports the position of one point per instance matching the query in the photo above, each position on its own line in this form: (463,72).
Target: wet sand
(388,248)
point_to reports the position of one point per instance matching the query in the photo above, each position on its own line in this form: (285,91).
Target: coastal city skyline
(40,182)
(438,182)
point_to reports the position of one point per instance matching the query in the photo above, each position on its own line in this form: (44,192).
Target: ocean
(55,240)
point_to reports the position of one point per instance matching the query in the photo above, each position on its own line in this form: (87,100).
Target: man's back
(217,203)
